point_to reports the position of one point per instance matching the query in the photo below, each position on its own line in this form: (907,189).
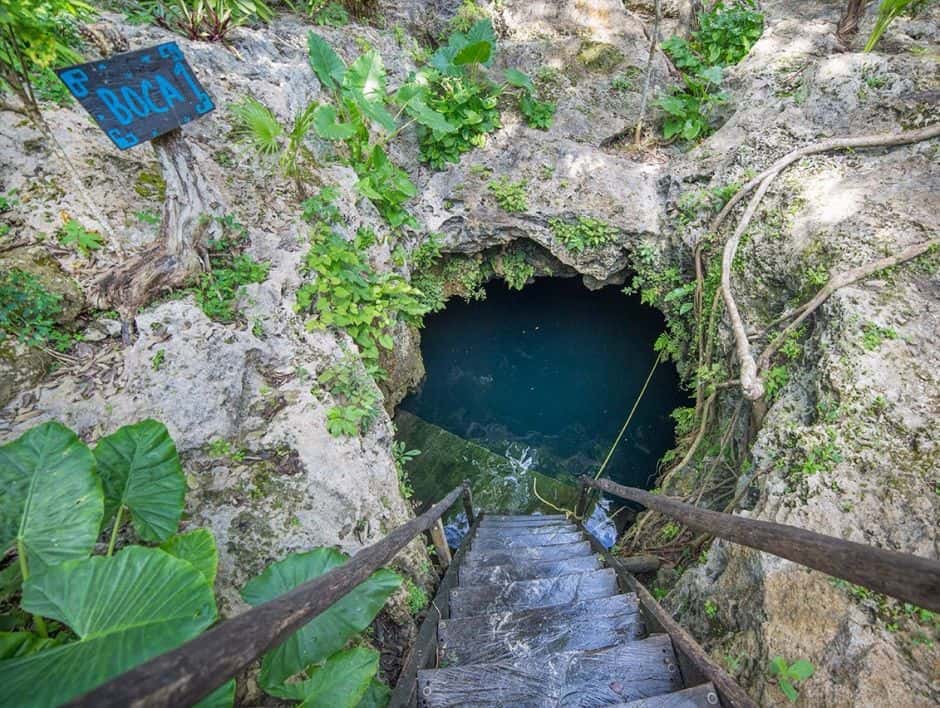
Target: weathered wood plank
(189,673)
(701,696)
(524,518)
(697,666)
(488,523)
(519,541)
(907,577)
(525,531)
(622,673)
(502,556)
(506,636)
(528,594)
(424,651)
(525,570)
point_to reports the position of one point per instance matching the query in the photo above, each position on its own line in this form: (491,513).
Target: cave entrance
(530,388)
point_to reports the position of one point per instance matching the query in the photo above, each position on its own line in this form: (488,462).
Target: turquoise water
(547,376)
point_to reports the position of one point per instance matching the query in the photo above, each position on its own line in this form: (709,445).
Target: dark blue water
(548,375)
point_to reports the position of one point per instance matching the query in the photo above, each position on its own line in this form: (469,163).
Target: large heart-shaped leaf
(222,697)
(373,110)
(367,76)
(196,548)
(141,470)
(376,696)
(125,610)
(51,505)
(327,127)
(325,63)
(327,633)
(515,77)
(342,681)
(476,53)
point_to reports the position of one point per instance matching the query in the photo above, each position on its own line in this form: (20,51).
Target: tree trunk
(180,251)
(848,23)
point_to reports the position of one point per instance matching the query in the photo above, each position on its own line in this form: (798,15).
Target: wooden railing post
(581,507)
(439,539)
(467,498)
(907,577)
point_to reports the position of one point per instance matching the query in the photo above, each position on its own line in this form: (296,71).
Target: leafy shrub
(403,456)
(511,196)
(35,36)
(328,14)
(360,400)
(218,290)
(313,663)
(585,232)
(775,380)
(205,20)
(350,295)
(874,335)
(516,270)
(537,114)
(725,36)
(788,675)
(416,597)
(468,106)
(468,14)
(29,312)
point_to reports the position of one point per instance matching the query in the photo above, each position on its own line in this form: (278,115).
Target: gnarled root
(181,248)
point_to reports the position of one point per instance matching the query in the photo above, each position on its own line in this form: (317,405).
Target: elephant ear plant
(84,618)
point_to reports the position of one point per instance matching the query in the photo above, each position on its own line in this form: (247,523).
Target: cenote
(527,390)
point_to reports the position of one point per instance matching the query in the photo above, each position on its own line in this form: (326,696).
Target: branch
(751,384)
(840,280)
(654,40)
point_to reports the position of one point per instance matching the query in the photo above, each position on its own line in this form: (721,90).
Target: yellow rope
(535,490)
(629,417)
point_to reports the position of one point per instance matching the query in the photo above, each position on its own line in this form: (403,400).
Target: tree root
(181,250)
(840,280)
(751,384)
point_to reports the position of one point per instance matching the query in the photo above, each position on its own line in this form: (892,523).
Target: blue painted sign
(136,96)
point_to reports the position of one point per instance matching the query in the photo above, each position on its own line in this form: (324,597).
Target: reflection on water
(543,379)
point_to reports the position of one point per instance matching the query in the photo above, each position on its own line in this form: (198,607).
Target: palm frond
(258,126)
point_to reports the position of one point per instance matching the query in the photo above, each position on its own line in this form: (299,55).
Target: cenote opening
(527,390)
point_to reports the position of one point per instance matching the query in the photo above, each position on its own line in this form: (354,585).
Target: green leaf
(17,644)
(197,548)
(330,631)
(373,110)
(778,666)
(343,680)
(125,610)
(222,697)
(476,53)
(52,503)
(712,74)
(366,76)
(516,78)
(140,470)
(325,63)
(788,690)
(376,696)
(324,122)
(427,116)
(800,670)
(482,31)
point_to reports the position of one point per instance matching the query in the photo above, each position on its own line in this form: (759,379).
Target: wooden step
(522,518)
(528,594)
(484,524)
(526,531)
(524,570)
(593,624)
(511,540)
(622,673)
(501,557)
(701,696)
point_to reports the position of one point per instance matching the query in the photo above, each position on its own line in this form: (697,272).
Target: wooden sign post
(135,97)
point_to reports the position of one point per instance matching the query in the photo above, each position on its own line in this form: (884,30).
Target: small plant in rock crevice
(402,456)
(360,402)
(584,233)
(29,312)
(511,196)
(83,240)
(788,675)
(516,271)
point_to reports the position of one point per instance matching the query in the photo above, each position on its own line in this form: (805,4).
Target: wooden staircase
(535,619)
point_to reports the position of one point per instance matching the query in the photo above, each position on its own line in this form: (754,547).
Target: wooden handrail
(910,578)
(185,675)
